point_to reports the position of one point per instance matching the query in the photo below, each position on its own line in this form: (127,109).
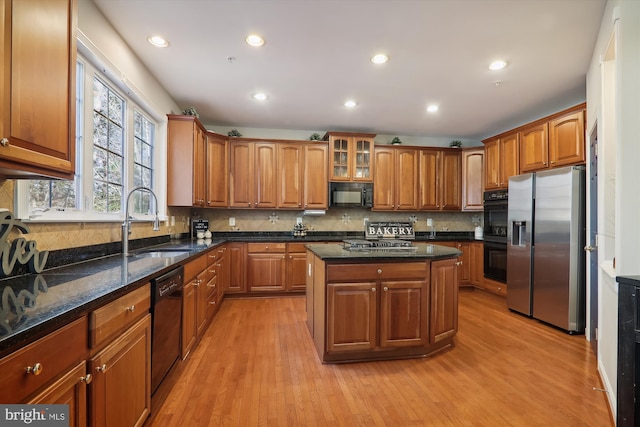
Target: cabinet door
(444,300)
(265,176)
(450,184)
(464,268)
(71,390)
(297,271)
(316,181)
(236,252)
(362,159)
(477,264)
(534,146)
(384,179)
(403,313)
(121,387)
(566,140)
(217,172)
(509,158)
(407,179)
(351,316)
(241,181)
(492,164)
(265,272)
(429,179)
(339,158)
(188,318)
(472,180)
(201,294)
(291,162)
(37,88)
(199,160)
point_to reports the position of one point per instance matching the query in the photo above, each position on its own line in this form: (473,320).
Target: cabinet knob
(102,368)
(4,142)
(379,271)
(552,162)
(131,308)
(212,302)
(299,204)
(385,289)
(36,369)
(87,379)
(249,204)
(544,163)
(373,289)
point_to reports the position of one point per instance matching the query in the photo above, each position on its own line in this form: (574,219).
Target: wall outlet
(429,222)
(364,222)
(298,220)
(173,220)
(232,221)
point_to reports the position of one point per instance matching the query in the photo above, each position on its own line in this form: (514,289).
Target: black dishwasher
(166,313)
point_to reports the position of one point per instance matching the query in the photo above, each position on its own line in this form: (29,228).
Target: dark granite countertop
(628,280)
(35,304)
(335,252)
(330,236)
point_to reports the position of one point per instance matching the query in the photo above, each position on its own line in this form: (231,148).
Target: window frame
(134,102)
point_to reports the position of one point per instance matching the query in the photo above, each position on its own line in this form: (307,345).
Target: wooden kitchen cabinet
(266,266)
(476,258)
(566,139)
(444,300)
(296,269)
(37,88)
(217,171)
(440,180)
(71,390)
(534,146)
(236,253)
(464,270)
(377,306)
(252,174)
(501,161)
(189,335)
(315,178)
(472,179)
(396,179)
(121,386)
(350,156)
(290,176)
(186,157)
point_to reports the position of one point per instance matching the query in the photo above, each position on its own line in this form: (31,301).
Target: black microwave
(350,194)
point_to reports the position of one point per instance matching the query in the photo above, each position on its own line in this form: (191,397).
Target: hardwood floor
(256,365)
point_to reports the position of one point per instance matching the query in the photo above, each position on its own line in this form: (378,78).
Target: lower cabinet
(236,254)
(444,300)
(476,261)
(266,266)
(296,272)
(464,270)
(121,386)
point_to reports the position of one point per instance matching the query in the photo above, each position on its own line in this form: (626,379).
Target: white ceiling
(317,55)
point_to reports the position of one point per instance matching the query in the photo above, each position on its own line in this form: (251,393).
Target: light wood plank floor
(256,365)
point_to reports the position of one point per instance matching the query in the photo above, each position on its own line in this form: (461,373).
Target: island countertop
(336,252)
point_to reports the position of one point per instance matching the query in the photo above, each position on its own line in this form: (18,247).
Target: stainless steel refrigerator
(545,241)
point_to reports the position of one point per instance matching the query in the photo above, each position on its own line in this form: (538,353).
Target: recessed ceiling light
(432,108)
(259,96)
(350,103)
(158,41)
(497,65)
(254,40)
(380,58)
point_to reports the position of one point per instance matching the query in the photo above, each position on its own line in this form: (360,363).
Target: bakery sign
(389,230)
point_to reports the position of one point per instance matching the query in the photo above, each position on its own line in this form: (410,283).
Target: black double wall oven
(495,235)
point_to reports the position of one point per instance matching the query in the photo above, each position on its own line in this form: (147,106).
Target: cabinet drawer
(266,247)
(117,315)
(296,248)
(52,354)
(382,271)
(193,268)
(495,287)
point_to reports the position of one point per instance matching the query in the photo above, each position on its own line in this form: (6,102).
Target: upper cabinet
(440,185)
(501,161)
(252,179)
(534,148)
(350,156)
(217,171)
(37,88)
(186,161)
(396,179)
(472,179)
(315,179)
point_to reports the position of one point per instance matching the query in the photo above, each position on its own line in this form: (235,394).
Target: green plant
(455,143)
(396,140)
(315,137)
(234,132)
(191,111)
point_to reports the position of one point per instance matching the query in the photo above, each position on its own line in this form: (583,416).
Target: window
(115,153)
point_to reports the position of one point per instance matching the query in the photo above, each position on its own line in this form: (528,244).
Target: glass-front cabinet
(351,156)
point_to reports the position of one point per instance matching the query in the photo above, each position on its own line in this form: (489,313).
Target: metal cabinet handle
(102,368)
(212,303)
(590,248)
(131,308)
(36,369)
(379,271)
(87,379)
(373,289)
(385,289)
(4,142)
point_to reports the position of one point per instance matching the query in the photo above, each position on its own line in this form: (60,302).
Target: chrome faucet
(126,225)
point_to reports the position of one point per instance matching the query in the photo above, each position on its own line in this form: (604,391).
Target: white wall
(622,20)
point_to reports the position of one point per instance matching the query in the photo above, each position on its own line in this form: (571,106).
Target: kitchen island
(381,303)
